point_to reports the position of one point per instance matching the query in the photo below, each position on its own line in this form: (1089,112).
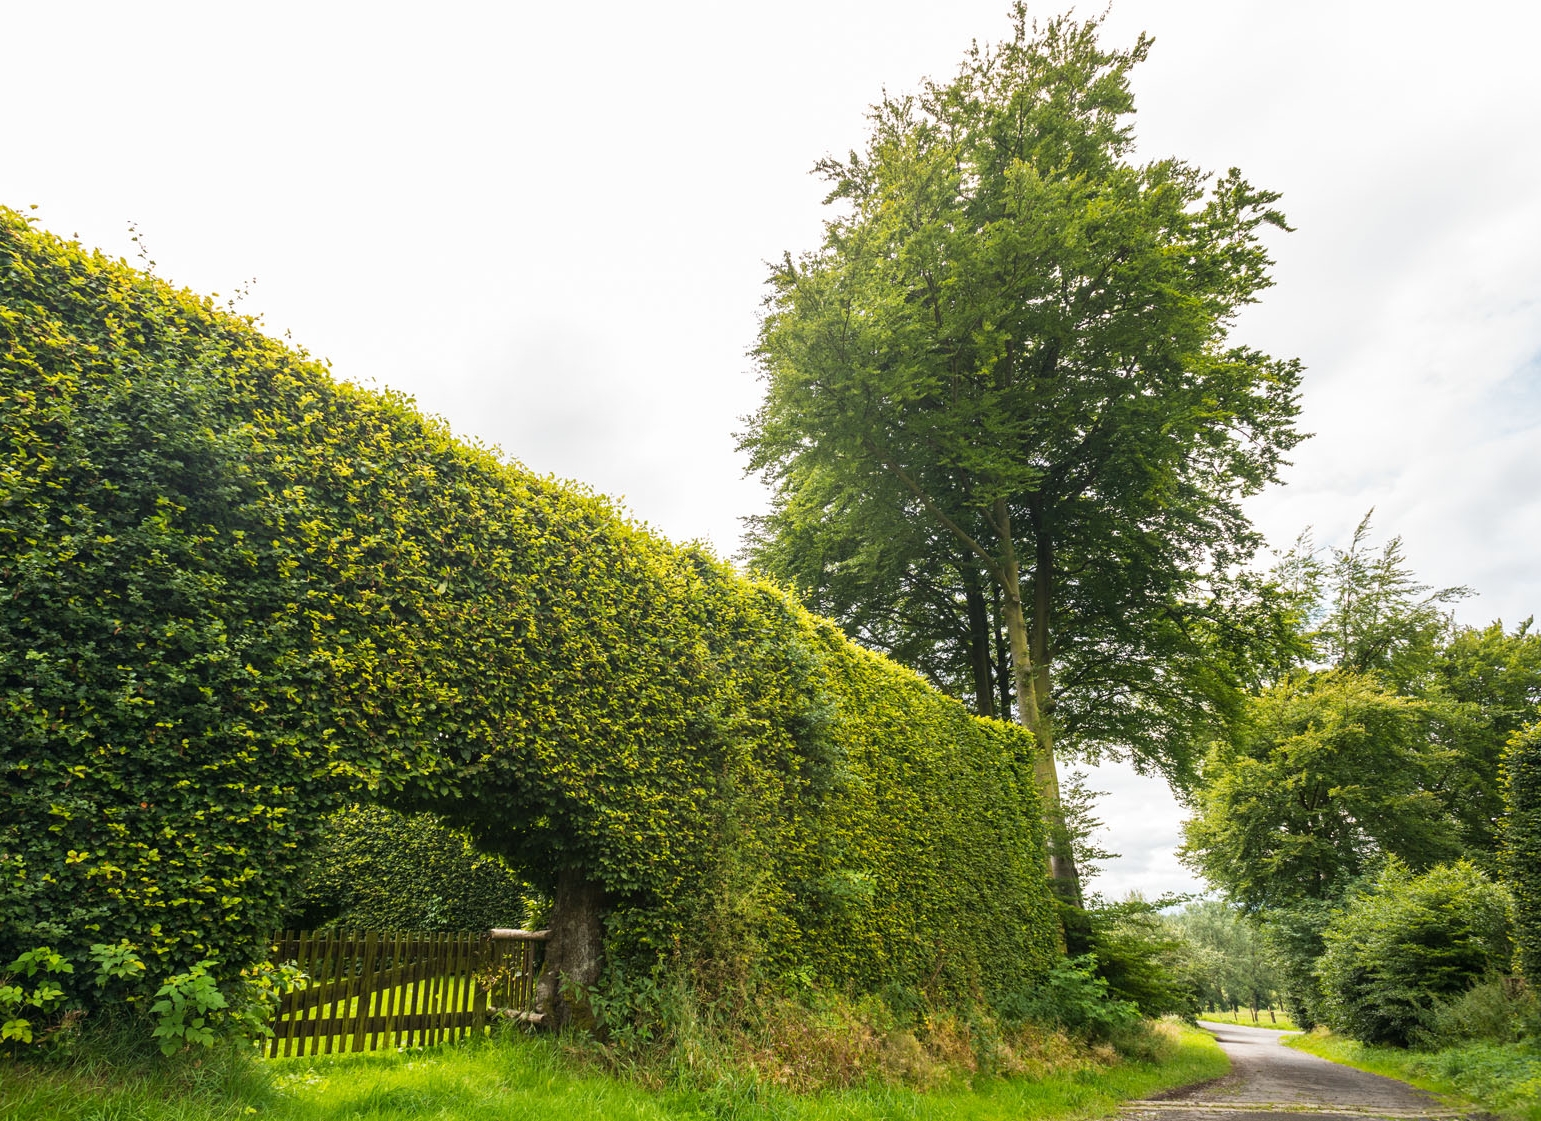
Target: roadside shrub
(1075,998)
(1522,846)
(234,593)
(1499,1010)
(1136,953)
(375,869)
(1408,943)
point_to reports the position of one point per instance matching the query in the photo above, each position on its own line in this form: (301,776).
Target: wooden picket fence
(365,987)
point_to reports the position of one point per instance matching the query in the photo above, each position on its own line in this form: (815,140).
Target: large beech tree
(1017,334)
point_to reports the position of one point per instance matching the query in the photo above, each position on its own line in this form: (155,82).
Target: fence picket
(436,992)
(407,988)
(464,997)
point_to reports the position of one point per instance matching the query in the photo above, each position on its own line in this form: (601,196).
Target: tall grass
(514,1077)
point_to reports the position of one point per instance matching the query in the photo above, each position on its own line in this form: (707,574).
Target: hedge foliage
(1522,846)
(234,592)
(1409,943)
(372,868)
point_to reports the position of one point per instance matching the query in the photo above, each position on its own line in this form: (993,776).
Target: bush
(1501,1010)
(376,869)
(33,1002)
(1074,997)
(1138,956)
(1408,943)
(237,592)
(1522,846)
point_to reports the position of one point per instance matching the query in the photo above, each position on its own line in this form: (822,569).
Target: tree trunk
(1032,698)
(978,641)
(573,953)
(1002,654)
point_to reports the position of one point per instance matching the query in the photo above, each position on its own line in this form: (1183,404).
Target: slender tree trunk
(573,952)
(1032,683)
(978,641)
(1002,654)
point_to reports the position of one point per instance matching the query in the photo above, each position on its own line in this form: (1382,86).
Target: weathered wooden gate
(366,986)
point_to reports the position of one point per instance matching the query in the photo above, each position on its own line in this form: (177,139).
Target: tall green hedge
(234,591)
(1522,846)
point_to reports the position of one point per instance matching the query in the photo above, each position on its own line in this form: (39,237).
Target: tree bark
(1002,654)
(573,953)
(978,641)
(1032,683)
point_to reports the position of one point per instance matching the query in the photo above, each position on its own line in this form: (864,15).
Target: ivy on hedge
(234,592)
(1522,846)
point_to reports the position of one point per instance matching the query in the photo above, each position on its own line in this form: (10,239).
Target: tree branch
(936,512)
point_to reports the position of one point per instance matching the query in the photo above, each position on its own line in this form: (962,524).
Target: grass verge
(522,1078)
(1502,1077)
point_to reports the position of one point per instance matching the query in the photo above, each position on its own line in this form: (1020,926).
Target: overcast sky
(548,223)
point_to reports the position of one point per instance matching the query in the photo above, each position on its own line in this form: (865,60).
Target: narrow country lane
(1269,1078)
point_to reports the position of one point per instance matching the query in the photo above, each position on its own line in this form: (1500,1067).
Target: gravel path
(1269,1078)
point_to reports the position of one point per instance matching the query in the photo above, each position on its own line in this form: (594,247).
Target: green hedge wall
(372,868)
(1522,846)
(234,591)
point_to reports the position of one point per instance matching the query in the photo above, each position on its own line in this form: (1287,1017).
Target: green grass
(1502,1077)
(513,1078)
(1280,1022)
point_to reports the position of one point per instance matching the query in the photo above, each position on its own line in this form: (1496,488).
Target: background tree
(1393,748)
(1407,942)
(1082,825)
(1365,611)
(1328,773)
(1021,338)
(1384,742)
(1229,965)
(1486,686)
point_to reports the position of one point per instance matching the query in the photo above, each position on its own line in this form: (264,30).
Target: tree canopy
(1385,739)
(1326,773)
(1019,337)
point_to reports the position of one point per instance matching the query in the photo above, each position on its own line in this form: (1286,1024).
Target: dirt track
(1271,1079)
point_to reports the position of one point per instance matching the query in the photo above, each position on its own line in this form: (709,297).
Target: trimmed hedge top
(234,591)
